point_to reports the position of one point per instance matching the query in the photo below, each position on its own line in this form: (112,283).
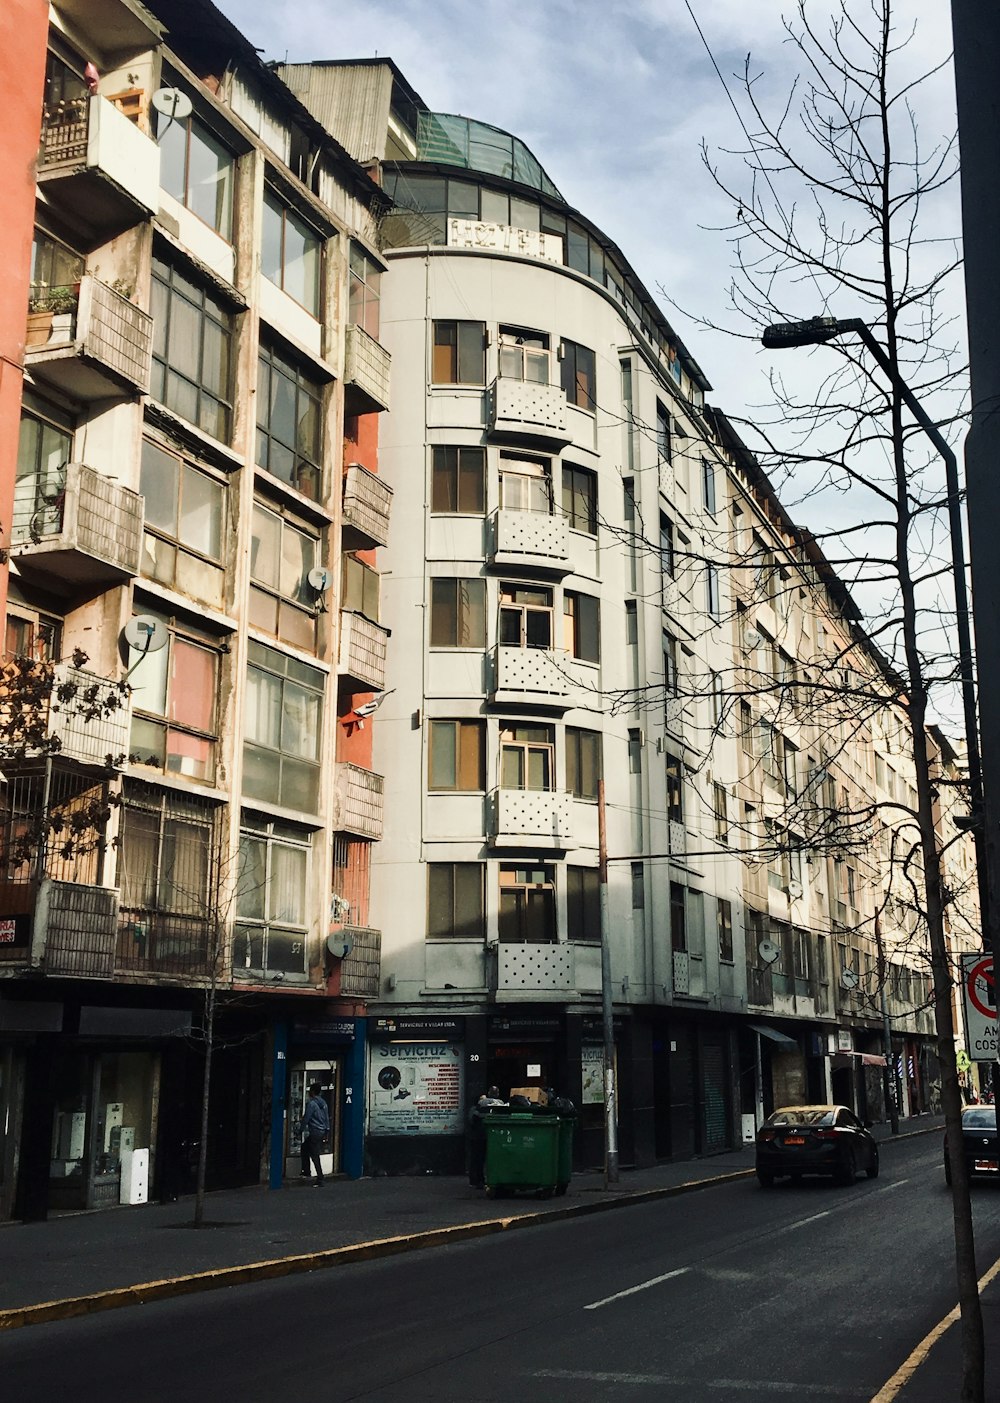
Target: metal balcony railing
(61,710)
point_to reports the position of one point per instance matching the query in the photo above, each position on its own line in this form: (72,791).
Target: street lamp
(815,332)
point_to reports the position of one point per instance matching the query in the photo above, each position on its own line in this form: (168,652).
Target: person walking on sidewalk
(315,1129)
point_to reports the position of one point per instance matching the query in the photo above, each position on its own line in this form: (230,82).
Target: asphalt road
(810,1291)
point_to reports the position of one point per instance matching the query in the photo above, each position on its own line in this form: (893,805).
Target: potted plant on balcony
(51,311)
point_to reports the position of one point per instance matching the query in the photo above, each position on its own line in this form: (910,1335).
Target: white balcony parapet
(533,675)
(530,538)
(536,968)
(91,135)
(531,818)
(525,407)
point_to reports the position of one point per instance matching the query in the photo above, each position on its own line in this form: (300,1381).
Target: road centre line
(643,1286)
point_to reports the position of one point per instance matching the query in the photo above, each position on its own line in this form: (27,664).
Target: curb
(217,1278)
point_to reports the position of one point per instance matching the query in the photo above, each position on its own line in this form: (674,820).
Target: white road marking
(751,1386)
(643,1286)
(801,1223)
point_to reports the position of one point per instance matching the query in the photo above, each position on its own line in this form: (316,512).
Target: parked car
(828,1140)
(979,1142)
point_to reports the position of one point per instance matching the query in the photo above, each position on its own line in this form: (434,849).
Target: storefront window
(103,1115)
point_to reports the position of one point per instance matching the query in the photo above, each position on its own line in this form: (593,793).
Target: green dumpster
(523,1151)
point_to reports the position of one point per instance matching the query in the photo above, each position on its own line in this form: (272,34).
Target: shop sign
(845,1040)
(443,1029)
(15,931)
(332,1030)
(416,1088)
(504,238)
(525,1027)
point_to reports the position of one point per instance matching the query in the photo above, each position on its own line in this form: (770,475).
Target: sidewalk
(84,1262)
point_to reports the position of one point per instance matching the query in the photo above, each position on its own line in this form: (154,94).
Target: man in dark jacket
(315,1129)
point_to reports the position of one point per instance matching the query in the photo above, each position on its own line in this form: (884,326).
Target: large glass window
(582,626)
(458,480)
(197,169)
(456,905)
(675,790)
(282,601)
(360,588)
(458,613)
(524,355)
(174,700)
(456,756)
(525,616)
(583,904)
(184,510)
(526,757)
(272,900)
(44,448)
(579,499)
(527,904)
(192,347)
(459,353)
(289,423)
(283,728)
(363,304)
(525,484)
(583,762)
(290,252)
(579,380)
(678,922)
(724,924)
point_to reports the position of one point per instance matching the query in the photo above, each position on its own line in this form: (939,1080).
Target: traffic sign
(980,1007)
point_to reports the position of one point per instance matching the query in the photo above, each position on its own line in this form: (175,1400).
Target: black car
(979,1141)
(827,1140)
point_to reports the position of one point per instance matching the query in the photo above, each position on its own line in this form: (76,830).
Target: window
(667,561)
(184,508)
(720,810)
(192,343)
(583,904)
(459,356)
(724,924)
(56,271)
(458,613)
(272,895)
(746,729)
(635,752)
(716,698)
(527,905)
(525,484)
(197,169)
(525,616)
(38,637)
(458,480)
(579,499)
(289,423)
(582,626)
(282,601)
(174,692)
(638,887)
(713,597)
(632,540)
(360,588)
(675,790)
(789,764)
(526,757)
(456,902)
(678,924)
(44,447)
(628,420)
(670,674)
(283,726)
(290,253)
(456,756)
(708,484)
(579,376)
(583,762)
(664,451)
(524,355)
(363,304)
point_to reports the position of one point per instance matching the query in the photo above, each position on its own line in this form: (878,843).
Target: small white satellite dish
(145,633)
(768,951)
(794,889)
(340,944)
(319,579)
(751,639)
(849,979)
(172,103)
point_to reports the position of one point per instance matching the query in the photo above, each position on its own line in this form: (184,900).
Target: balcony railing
(760,988)
(536,968)
(156,942)
(361,968)
(102,352)
(530,539)
(533,676)
(366,373)
(75,928)
(61,710)
(78,529)
(539,818)
(98,164)
(367,503)
(362,651)
(357,801)
(528,409)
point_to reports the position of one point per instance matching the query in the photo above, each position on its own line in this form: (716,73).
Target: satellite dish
(849,979)
(320,580)
(752,638)
(768,951)
(172,103)
(146,634)
(794,889)
(340,943)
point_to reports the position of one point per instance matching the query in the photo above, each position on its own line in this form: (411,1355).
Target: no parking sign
(980,1007)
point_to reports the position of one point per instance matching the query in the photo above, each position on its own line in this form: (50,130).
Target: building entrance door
(301,1075)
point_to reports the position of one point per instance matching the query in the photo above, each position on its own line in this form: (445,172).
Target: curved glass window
(460,141)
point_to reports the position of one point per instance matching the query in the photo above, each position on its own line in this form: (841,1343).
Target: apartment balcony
(61,710)
(367,503)
(357,801)
(100,351)
(161,944)
(96,167)
(531,818)
(529,541)
(74,928)
(76,533)
(760,989)
(361,658)
(536,969)
(361,967)
(528,410)
(530,677)
(366,373)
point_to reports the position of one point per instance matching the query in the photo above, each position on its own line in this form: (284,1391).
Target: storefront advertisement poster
(592,1059)
(415,1088)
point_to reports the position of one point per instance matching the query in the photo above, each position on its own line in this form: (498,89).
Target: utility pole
(889,1088)
(607,1007)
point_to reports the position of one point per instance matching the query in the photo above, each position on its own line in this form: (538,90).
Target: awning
(782,1039)
(868,1059)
